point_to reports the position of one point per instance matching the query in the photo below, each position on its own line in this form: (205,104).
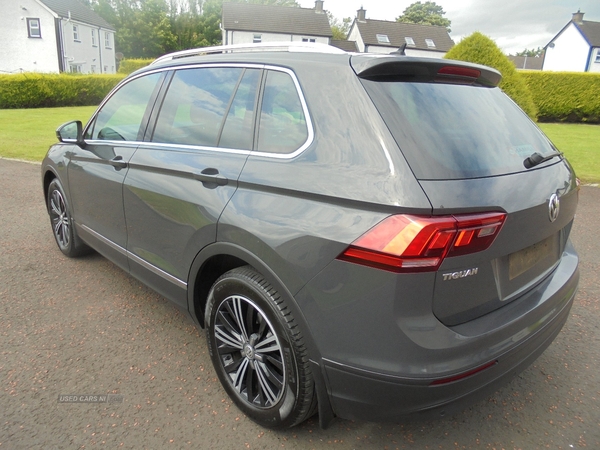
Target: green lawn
(27,134)
(581,145)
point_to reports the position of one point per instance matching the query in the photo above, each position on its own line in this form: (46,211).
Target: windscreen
(454,131)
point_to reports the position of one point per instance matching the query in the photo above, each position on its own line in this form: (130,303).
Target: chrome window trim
(152,268)
(284,156)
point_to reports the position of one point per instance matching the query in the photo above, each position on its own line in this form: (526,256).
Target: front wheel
(258,351)
(62,223)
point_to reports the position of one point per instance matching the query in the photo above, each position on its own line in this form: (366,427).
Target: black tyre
(62,222)
(258,351)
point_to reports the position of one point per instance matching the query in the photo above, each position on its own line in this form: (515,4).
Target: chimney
(361,15)
(578,17)
(319,6)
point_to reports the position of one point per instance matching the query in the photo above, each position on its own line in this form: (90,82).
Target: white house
(576,48)
(244,23)
(382,36)
(54,36)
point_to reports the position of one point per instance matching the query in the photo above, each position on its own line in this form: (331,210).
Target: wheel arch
(48,176)
(220,257)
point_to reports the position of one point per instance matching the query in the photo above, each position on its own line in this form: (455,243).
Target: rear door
(180,180)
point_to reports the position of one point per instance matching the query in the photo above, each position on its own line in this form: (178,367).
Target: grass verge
(27,134)
(581,145)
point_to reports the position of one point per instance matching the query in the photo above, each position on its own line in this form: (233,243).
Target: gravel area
(84,327)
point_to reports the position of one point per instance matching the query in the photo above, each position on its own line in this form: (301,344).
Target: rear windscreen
(454,131)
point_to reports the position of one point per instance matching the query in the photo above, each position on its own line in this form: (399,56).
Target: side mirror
(71,133)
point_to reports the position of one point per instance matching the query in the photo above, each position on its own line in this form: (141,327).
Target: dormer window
(383,39)
(409,40)
(430,43)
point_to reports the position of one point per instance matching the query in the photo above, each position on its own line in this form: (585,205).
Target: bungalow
(576,48)
(54,36)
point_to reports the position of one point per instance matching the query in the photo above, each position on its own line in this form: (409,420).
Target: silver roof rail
(309,47)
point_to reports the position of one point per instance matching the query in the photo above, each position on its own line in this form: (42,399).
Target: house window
(409,40)
(383,38)
(76,68)
(76,33)
(93,68)
(107,40)
(430,43)
(309,40)
(597,57)
(257,38)
(94,43)
(105,69)
(33,28)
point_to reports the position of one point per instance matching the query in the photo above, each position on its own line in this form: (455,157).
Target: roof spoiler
(394,67)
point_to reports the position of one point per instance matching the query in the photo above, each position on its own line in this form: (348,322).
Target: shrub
(35,90)
(481,49)
(128,66)
(565,96)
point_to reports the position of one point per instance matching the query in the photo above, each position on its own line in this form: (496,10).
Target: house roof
(347,46)
(529,62)
(78,11)
(275,19)
(398,31)
(590,30)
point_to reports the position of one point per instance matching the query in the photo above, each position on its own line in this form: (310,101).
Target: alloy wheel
(250,352)
(59,216)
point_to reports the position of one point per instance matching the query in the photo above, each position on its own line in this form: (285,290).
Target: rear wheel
(258,351)
(62,222)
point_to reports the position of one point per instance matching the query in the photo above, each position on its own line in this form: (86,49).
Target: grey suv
(369,237)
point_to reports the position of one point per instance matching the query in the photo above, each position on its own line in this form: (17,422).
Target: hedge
(565,96)
(34,90)
(480,49)
(128,66)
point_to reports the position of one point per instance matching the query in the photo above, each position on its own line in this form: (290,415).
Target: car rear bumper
(363,395)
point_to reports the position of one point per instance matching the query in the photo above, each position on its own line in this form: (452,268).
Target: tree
(481,49)
(428,13)
(339,28)
(533,52)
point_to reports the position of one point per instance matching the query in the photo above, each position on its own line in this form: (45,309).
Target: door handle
(118,163)
(211,178)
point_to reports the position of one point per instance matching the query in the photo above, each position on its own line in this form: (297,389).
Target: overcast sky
(513,24)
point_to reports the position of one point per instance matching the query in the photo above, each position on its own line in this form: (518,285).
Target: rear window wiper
(536,159)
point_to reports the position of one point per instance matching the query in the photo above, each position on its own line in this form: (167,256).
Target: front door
(99,168)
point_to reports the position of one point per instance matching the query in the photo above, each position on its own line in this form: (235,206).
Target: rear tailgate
(526,251)
(473,150)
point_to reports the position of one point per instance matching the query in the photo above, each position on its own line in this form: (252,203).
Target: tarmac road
(84,327)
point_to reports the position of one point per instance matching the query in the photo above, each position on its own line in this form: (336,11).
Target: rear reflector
(407,243)
(460,376)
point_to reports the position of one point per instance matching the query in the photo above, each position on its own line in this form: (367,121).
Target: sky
(513,24)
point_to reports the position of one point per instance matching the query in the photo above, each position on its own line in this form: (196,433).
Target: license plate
(523,260)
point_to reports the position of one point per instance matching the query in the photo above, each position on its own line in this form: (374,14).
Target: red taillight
(406,243)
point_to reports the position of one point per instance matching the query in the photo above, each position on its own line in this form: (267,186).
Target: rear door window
(454,132)
(200,108)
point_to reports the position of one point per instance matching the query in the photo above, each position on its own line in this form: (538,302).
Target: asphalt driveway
(84,327)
